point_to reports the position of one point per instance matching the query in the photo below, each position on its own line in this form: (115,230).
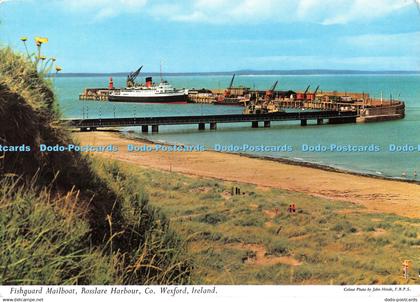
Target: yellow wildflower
(40,40)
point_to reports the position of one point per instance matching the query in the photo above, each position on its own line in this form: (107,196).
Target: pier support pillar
(255,124)
(144,128)
(303,122)
(201,126)
(83,129)
(320,121)
(267,124)
(213,126)
(92,129)
(155,128)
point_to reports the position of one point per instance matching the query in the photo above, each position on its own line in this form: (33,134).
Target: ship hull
(171,99)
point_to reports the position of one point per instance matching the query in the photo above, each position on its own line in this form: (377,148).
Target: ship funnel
(149,82)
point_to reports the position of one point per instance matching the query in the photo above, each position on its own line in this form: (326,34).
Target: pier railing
(332,116)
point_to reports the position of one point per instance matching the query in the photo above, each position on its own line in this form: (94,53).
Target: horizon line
(250,72)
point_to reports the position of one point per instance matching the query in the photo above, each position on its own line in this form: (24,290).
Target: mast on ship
(161,77)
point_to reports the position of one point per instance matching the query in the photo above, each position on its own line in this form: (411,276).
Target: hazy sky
(217,35)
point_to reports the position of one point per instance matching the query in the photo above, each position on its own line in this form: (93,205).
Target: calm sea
(385,163)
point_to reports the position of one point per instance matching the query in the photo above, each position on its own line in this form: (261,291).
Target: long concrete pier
(332,117)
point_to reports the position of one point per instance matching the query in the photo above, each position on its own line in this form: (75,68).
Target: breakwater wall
(388,112)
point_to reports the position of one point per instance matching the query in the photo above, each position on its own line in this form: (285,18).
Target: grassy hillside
(61,221)
(71,219)
(251,238)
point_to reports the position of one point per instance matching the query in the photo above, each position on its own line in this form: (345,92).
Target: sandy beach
(376,195)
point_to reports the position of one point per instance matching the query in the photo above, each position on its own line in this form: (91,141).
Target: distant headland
(253,72)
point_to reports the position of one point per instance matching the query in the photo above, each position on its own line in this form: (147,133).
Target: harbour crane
(269,93)
(311,96)
(131,78)
(227,91)
(262,106)
(307,89)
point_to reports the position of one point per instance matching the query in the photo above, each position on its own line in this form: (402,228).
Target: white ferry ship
(150,93)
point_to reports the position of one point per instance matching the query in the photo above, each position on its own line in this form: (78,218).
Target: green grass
(64,218)
(47,239)
(43,240)
(334,242)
